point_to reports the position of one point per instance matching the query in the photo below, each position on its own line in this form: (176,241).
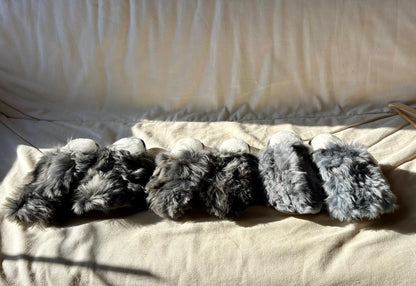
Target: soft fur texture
(290,178)
(115,181)
(177,177)
(235,185)
(353,182)
(45,198)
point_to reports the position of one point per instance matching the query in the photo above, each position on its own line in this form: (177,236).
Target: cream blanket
(213,70)
(263,247)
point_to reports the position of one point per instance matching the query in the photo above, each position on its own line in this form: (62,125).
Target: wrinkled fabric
(211,70)
(62,58)
(263,246)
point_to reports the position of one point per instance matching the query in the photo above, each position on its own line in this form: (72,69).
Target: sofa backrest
(60,58)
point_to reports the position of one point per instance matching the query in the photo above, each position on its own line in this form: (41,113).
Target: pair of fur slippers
(81,178)
(330,174)
(222,182)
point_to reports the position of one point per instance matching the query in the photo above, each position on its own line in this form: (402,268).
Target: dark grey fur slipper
(235,183)
(178,175)
(353,182)
(45,197)
(116,180)
(289,176)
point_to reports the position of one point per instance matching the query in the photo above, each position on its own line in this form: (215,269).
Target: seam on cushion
(405,111)
(360,123)
(404,161)
(383,115)
(204,118)
(269,120)
(387,114)
(317,116)
(390,134)
(20,136)
(16,109)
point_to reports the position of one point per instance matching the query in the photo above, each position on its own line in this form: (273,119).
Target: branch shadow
(84,264)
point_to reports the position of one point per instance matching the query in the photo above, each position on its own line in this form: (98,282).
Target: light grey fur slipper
(352,180)
(290,179)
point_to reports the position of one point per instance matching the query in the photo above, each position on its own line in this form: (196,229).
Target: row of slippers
(289,175)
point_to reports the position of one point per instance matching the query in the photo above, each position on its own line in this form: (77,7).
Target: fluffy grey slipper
(235,183)
(116,180)
(289,176)
(353,182)
(45,198)
(179,174)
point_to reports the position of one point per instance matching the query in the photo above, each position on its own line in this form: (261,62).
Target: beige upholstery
(212,70)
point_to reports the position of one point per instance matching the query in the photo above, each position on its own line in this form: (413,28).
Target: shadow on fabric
(85,264)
